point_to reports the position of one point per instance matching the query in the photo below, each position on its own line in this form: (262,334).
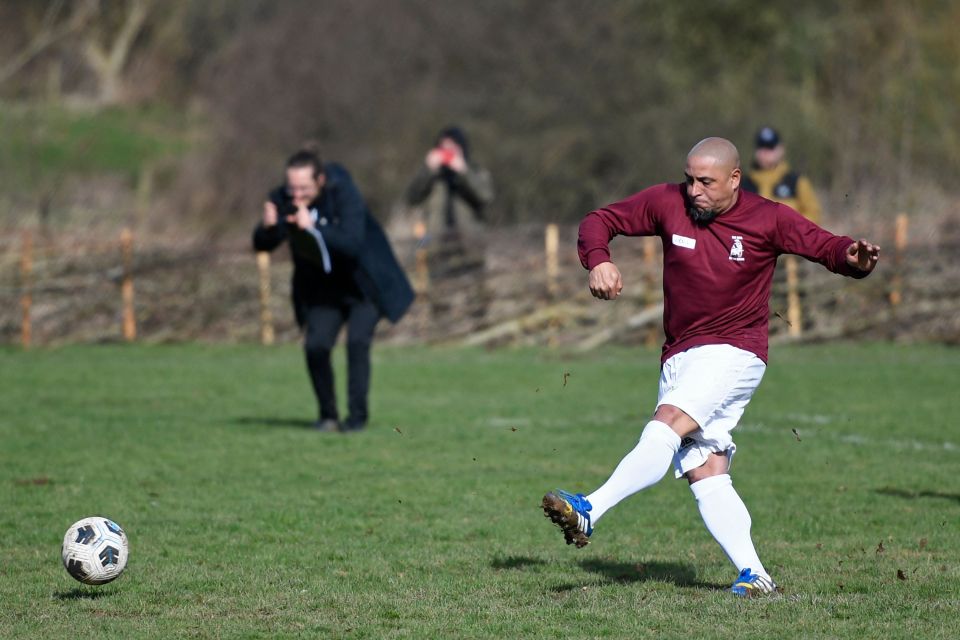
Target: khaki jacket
(473,190)
(780,184)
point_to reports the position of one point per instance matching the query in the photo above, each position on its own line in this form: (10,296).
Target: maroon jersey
(716,276)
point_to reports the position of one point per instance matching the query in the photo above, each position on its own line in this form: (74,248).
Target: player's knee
(716,465)
(316,347)
(358,345)
(677,419)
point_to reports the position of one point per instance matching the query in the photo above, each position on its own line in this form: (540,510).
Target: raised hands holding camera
(447,154)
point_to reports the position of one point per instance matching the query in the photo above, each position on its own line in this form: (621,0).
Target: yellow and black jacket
(780,184)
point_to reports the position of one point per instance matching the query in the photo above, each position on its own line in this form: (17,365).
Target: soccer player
(720,246)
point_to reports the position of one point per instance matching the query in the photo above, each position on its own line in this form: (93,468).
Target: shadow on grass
(913,495)
(80,593)
(274,422)
(613,572)
(516,562)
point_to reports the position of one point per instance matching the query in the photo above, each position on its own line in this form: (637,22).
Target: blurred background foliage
(189,108)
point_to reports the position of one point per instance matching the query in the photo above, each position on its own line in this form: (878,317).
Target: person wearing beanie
(449,194)
(771,176)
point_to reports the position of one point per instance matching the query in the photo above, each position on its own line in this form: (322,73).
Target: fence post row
(26,287)
(266,317)
(551,264)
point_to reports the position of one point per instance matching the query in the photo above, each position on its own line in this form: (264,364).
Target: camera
(446,155)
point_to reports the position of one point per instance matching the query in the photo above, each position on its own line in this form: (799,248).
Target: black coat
(362,262)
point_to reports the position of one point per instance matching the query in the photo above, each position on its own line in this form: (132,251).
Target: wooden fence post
(899,248)
(126,287)
(26,289)
(551,242)
(266,317)
(794,311)
(422,268)
(649,281)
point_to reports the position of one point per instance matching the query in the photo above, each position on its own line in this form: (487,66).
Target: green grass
(41,144)
(243,523)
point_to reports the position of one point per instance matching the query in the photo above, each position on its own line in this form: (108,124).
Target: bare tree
(108,60)
(53,30)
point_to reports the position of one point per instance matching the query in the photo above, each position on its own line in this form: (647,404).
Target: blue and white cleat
(750,585)
(571,513)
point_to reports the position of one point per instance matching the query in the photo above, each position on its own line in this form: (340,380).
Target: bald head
(720,150)
(713,178)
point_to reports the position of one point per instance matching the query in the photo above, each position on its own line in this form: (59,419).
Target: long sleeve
(421,186)
(795,234)
(634,216)
(268,238)
(475,186)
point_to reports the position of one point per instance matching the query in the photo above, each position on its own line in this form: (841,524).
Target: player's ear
(321,179)
(735,178)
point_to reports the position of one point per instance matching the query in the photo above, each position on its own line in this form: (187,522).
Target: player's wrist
(596,257)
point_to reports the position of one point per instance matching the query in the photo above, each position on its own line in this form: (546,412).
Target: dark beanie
(456,134)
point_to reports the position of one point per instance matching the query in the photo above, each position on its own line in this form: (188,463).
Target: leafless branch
(49,35)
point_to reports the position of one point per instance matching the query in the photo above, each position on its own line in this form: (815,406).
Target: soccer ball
(95,550)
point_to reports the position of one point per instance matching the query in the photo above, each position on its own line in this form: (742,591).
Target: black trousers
(322,323)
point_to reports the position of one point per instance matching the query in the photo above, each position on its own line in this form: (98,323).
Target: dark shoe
(327,426)
(352,425)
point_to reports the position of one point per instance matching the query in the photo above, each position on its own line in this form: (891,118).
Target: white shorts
(712,384)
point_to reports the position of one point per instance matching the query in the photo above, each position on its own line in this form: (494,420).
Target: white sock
(727,520)
(639,469)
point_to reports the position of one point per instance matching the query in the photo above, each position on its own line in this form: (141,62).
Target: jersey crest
(736,251)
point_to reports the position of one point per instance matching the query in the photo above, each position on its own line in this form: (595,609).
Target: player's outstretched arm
(863,255)
(605,281)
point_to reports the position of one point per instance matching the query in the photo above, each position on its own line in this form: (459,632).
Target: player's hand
(605,281)
(863,256)
(269,214)
(301,218)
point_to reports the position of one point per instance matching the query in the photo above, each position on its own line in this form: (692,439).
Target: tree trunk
(108,65)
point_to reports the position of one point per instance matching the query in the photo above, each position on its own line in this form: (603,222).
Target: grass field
(244,523)
(41,144)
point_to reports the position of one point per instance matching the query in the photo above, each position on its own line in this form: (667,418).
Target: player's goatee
(701,216)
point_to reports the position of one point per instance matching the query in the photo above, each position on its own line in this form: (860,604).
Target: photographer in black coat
(344,273)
